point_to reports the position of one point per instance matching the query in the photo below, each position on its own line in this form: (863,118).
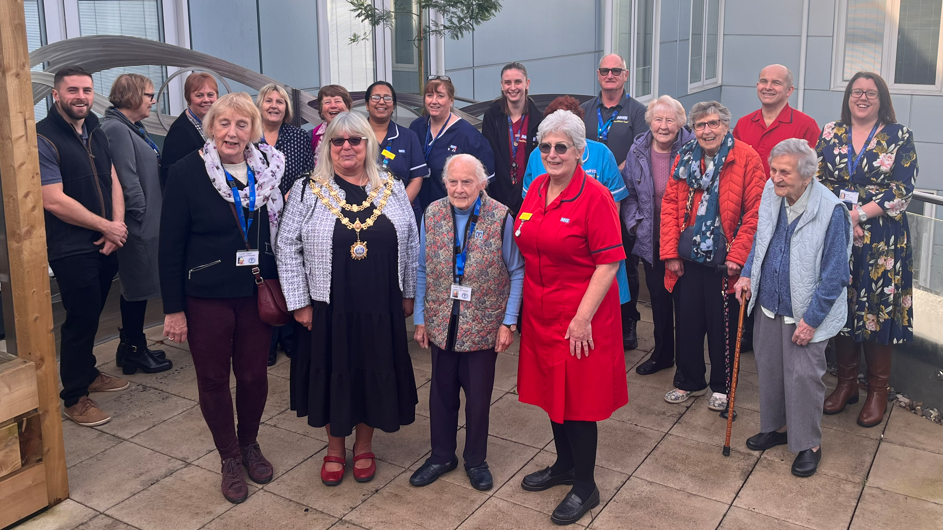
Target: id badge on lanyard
(248,257)
(457,290)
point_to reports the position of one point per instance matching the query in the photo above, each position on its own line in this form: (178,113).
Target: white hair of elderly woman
(706,108)
(349,125)
(464,157)
(669,103)
(807,162)
(564,122)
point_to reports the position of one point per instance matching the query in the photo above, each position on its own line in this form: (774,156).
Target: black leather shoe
(429,472)
(272,356)
(806,462)
(572,508)
(543,480)
(651,366)
(629,337)
(766,440)
(480,477)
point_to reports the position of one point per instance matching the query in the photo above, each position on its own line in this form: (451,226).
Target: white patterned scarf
(267,177)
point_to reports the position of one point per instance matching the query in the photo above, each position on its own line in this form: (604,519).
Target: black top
(85,168)
(628,123)
(181,140)
(199,238)
(494,127)
(295,144)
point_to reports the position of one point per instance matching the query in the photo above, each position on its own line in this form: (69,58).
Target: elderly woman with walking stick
(798,269)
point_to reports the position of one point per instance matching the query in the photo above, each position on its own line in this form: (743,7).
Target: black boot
(123,347)
(138,357)
(629,337)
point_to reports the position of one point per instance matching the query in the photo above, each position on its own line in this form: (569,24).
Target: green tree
(458,18)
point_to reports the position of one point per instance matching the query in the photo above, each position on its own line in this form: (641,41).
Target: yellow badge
(388,154)
(525,217)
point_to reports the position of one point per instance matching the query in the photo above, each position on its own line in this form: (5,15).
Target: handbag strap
(687,209)
(255,270)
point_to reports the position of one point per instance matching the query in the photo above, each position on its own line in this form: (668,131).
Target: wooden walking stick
(733,380)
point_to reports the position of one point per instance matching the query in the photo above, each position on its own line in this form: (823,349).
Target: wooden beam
(26,239)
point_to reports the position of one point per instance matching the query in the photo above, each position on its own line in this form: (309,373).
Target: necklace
(353,207)
(358,250)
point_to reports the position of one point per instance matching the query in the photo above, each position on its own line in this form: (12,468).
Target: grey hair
(669,102)
(564,122)
(789,78)
(350,124)
(464,157)
(807,162)
(705,108)
(624,66)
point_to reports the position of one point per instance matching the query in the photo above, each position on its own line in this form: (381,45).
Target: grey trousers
(791,387)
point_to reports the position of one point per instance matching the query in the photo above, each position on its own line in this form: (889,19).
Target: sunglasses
(354,142)
(439,78)
(559,148)
(615,71)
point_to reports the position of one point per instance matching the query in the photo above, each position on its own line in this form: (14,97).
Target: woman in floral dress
(870,162)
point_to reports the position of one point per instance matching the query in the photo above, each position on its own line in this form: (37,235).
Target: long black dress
(353,366)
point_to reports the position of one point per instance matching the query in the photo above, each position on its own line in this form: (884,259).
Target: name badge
(525,216)
(247,258)
(388,154)
(848,196)
(460,292)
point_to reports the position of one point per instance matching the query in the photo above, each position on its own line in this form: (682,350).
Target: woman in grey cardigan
(137,163)
(347,254)
(646,173)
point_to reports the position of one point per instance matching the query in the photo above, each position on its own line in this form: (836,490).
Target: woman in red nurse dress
(569,235)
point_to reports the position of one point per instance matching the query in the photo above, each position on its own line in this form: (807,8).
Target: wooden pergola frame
(31,336)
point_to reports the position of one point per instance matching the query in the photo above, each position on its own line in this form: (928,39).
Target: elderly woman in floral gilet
(869,161)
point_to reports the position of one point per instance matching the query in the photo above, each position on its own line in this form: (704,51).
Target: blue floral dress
(881,293)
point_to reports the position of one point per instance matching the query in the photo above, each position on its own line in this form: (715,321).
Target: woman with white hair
(798,270)
(347,254)
(467,303)
(571,362)
(646,173)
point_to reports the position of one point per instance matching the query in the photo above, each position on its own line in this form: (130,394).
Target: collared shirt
(49,172)
(752,130)
(792,213)
(629,122)
(407,162)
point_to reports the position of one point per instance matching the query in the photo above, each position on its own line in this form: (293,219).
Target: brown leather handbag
(273,309)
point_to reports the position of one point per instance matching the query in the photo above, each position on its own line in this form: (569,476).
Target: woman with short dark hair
(331,101)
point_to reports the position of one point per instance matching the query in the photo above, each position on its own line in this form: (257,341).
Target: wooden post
(26,239)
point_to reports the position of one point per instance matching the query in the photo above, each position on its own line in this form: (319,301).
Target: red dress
(561,244)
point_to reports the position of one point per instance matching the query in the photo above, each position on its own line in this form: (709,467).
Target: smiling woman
(186,133)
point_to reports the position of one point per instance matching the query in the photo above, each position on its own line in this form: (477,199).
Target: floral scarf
(267,176)
(707,222)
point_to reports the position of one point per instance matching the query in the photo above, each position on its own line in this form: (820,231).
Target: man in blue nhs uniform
(614,118)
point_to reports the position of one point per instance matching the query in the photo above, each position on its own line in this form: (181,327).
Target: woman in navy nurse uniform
(443,134)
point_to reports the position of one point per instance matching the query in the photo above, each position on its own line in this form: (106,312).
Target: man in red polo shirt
(776,120)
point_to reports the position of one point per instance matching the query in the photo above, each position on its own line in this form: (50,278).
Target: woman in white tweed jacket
(347,255)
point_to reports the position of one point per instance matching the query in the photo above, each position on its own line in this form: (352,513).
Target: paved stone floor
(659,465)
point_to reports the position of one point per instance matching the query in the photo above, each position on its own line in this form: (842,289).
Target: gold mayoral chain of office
(358,250)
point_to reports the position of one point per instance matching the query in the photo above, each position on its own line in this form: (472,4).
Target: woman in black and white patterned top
(293,142)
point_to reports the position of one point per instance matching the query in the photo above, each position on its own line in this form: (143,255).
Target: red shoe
(366,474)
(333,478)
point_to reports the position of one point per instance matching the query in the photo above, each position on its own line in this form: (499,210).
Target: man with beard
(84,210)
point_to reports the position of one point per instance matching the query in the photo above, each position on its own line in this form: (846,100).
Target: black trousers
(84,282)
(630,308)
(472,372)
(663,312)
(700,305)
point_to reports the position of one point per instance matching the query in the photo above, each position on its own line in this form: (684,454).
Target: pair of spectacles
(615,71)
(376,98)
(712,125)
(150,95)
(439,78)
(354,142)
(559,148)
(858,93)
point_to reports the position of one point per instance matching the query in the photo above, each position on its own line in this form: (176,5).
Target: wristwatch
(512,327)
(862,215)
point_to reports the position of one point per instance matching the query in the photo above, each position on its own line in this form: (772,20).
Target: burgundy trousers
(224,333)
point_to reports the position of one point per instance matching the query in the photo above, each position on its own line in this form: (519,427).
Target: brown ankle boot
(846,392)
(878,357)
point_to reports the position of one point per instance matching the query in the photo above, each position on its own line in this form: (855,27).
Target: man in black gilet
(84,210)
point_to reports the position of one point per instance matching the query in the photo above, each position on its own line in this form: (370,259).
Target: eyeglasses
(712,125)
(354,142)
(439,78)
(150,95)
(559,148)
(376,98)
(615,71)
(858,93)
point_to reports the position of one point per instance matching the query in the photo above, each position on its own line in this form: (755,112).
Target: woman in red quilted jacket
(708,218)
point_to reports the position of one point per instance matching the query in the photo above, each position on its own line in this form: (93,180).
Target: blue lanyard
(245,226)
(853,160)
(602,129)
(198,120)
(516,138)
(149,141)
(461,253)
(427,148)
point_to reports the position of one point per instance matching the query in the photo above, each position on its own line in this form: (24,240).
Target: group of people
(537,221)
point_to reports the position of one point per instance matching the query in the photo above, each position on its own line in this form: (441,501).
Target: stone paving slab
(658,465)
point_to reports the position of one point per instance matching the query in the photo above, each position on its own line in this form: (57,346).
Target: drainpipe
(803,48)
